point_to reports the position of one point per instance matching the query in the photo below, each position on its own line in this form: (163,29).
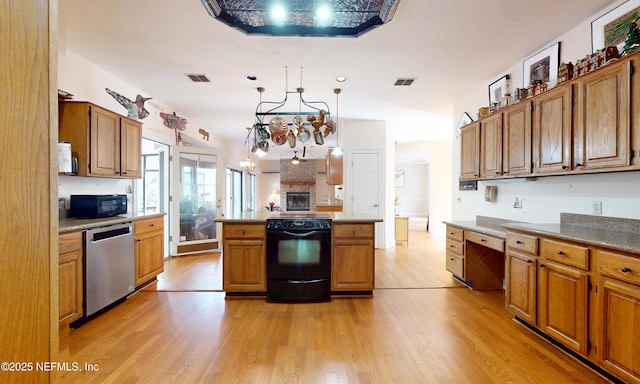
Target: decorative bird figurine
(135,109)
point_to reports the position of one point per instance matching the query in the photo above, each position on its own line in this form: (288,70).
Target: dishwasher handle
(110,233)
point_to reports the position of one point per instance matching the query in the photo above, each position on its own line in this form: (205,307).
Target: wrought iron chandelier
(273,123)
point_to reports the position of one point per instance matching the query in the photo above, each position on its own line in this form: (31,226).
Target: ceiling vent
(196,78)
(405,81)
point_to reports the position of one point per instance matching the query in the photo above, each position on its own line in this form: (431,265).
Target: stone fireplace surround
(298,178)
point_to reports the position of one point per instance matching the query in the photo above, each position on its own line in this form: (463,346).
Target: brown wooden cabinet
(516,158)
(107,144)
(149,249)
(552,131)
(70,276)
(549,290)
(334,168)
(562,303)
(491,146)
(470,151)
(352,259)
(521,276)
(244,253)
(618,314)
(455,251)
(603,118)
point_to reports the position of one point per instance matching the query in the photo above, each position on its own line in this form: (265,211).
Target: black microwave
(95,206)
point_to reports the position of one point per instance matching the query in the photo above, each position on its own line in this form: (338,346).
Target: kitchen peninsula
(351,249)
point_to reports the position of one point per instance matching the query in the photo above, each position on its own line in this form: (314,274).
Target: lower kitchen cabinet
(244,258)
(70,276)
(520,292)
(352,260)
(562,300)
(618,310)
(551,289)
(149,249)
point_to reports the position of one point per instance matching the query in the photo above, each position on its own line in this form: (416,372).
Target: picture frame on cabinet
(611,28)
(498,90)
(542,66)
(465,119)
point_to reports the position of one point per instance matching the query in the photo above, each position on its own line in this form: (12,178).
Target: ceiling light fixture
(341,79)
(352,18)
(337,151)
(247,165)
(278,14)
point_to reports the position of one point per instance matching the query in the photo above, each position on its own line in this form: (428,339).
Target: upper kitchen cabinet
(334,169)
(107,144)
(470,152)
(516,159)
(603,121)
(552,131)
(491,146)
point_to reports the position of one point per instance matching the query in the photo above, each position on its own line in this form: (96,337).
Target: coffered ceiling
(447,46)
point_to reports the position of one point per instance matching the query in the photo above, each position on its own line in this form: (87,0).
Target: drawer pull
(483,239)
(625,269)
(452,246)
(541,265)
(529,261)
(451,259)
(560,253)
(152,225)
(518,242)
(451,233)
(354,232)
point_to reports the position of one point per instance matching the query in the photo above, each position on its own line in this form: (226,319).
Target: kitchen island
(244,239)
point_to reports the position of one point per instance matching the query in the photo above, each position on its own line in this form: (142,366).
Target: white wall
(413,197)
(372,136)
(545,198)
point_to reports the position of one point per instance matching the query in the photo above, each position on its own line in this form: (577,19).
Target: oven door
(298,254)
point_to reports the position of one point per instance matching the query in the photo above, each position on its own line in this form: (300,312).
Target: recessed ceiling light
(278,13)
(341,79)
(252,77)
(323,12)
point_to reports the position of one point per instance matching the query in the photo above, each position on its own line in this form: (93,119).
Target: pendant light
(295,160)
(337,151)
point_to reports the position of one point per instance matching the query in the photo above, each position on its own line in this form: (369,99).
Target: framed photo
(399,179)
(498,89)
(611,28)
(464,120)
(542,66)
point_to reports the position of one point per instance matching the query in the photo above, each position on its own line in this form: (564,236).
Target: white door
(366,183)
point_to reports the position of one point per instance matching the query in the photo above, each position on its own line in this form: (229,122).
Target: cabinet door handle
(518,242)
(564,167)
(529,261)
(560,253)
(579,165)
(354,232)
(541,265)
(625,269)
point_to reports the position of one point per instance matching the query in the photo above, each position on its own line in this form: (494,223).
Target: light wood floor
(420,327)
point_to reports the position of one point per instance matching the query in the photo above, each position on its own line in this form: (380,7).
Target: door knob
(375,205)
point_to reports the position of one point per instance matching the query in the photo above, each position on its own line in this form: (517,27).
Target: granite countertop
(262,216)
(71,224)
(491,226)
(609,232)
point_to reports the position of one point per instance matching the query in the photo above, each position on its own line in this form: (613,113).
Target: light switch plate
(596,208)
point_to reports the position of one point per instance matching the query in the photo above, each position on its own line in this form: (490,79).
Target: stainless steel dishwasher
(109,266)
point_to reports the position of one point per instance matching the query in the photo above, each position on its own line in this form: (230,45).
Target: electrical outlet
(596,208)
(517,203)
